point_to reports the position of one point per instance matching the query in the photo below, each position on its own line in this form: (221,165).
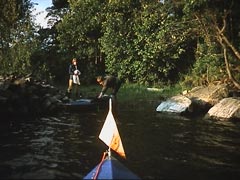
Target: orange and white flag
(110,135)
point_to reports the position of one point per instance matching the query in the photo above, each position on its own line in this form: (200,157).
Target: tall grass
(133,95)
(134,92)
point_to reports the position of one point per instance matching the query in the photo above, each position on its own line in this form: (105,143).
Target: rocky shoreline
(216,102)
(26,96)
(21,96)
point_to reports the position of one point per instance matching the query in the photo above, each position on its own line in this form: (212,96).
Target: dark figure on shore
(107,82)
(113,83)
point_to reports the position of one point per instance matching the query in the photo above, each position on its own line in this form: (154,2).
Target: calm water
(157,146)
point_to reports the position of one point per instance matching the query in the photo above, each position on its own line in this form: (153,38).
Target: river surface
(157,146)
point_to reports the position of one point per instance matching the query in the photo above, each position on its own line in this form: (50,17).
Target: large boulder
(226,109)
(209,95)
(198,100)
(177,104)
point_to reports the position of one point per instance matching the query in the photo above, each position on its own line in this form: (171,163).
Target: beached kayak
(86,104)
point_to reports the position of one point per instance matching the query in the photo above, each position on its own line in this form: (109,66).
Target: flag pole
(110,104)
(110,109)
(109,152)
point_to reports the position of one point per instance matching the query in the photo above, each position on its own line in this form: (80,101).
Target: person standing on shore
(74,81)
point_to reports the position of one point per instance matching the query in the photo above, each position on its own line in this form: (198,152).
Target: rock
(198,100)
(226,109)
(210,95)
(185,92)
(27,96)
(20,81)
(155,89)
(177,104)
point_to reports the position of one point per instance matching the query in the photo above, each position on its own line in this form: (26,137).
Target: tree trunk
(236,84)
(223,40)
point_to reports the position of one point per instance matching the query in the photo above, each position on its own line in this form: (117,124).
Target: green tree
(217,28)
(151,43)
(79,32)
(48,61)
(17,36)
(117,39)
(57,11)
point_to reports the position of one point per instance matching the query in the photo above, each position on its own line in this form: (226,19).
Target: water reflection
(157,146)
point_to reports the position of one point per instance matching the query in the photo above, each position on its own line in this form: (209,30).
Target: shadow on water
(157,146)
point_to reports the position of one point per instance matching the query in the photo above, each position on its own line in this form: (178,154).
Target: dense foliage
(144,48)
(146,42)
(217,32)
(17,38)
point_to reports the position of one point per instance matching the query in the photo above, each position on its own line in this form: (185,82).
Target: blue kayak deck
(111,168)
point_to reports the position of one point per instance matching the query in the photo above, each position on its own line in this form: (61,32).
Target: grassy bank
(133,95)
(134,92)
